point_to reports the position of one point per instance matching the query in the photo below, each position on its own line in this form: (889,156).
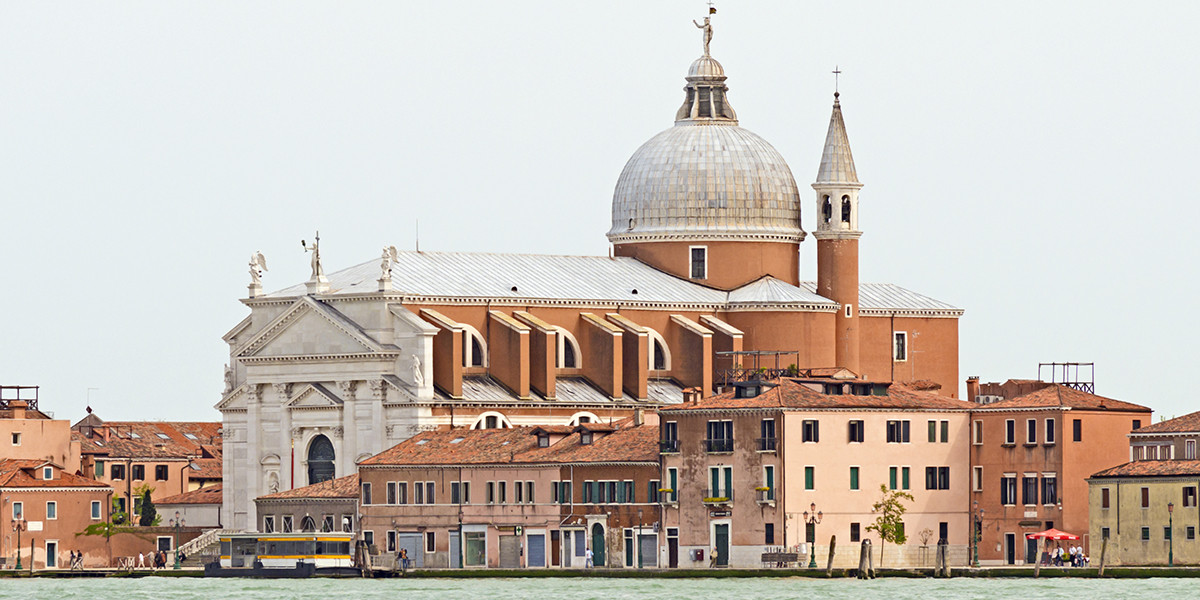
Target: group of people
(76,561)
(1073,556)
(403,560)
(158,560)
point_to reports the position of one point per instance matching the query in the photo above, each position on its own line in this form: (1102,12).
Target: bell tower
(837,236)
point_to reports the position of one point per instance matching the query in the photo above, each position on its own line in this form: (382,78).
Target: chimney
(639,416)
(972,388)
(18,408)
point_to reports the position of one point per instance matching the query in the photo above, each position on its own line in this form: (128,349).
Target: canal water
(162,588)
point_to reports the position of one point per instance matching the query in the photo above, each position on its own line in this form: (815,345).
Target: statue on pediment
(418,376)
(258,264)
(318,272)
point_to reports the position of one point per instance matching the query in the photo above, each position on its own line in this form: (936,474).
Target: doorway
(1030,551)
(721,537)
(673,548)
(51,556)
(598,545)
(555,548)
(1010,548)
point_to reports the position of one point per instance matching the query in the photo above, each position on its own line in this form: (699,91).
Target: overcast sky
(1033,163)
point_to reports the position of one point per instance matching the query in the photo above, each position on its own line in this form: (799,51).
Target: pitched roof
(20,473)
(1188,423)
(146,439)
(1153,468)
(837,164)
(792,394)
(342,487)
(206,495)
(205,468)
(519,446)
(1058,395)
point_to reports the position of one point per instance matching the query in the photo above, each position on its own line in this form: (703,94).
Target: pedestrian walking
(141,560)
(588,556)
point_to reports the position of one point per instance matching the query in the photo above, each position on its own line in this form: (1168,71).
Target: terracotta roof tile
(149,439)
(519,446)
(1153,468)
(20,473)
(1059,395)
(207,495)
(342,487)
(209,468)
(794,395)
(1186,424)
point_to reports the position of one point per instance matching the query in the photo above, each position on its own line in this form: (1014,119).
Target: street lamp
(639,538)
(1171,529)
(813,519)
(976,531)
(19,525)
(177,522)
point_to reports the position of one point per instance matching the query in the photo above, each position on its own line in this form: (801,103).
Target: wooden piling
(829,565)
(1103,548)
(1037,566)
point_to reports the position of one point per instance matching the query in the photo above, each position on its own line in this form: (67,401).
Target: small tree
(147,514)
(889,524)
(118,516)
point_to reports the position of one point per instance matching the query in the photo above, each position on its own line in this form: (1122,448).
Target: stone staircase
(205,547)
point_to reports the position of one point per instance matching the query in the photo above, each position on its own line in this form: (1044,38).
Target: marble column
(252,468)
(283,393)
(349,429)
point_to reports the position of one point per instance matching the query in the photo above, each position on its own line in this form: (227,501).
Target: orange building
(1031,456)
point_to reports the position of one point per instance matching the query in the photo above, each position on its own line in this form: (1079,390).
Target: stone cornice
(704,236)
(836,234)
(311,358)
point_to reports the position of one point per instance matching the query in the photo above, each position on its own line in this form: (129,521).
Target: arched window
(660,354)
(474,348)
(492,420)
(308,524)
(583,417)
(320,460)
(827,210)
(845,209)
(569,356)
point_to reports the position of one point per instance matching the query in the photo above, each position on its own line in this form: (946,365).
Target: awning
(1052,534)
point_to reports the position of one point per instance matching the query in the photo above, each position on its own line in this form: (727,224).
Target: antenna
(418,222)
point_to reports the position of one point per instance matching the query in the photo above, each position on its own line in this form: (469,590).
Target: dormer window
(47,473)
(543,440)
(585,438)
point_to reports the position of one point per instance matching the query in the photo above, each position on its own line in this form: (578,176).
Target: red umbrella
(1052,534)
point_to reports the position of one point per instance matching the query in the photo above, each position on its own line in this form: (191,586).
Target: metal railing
(767,444)
(668,446)
(718,445)
(205,540)
(767,495)
(718,496)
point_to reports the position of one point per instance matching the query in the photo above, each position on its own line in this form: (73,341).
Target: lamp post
(639,538)
(1171,528)
(19,525)
(976,531)
(813,518)
(177,522)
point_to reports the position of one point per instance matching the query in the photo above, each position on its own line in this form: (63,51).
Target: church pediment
(235,400)
(315,395)
(310,328)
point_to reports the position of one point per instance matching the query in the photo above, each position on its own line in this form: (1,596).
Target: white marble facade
(303,368)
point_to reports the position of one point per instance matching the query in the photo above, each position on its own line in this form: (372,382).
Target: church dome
(706,178)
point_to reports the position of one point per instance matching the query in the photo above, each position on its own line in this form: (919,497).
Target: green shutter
(715,477)
(904,477)
(892,478)
(854,478)
(621,493)
(99,468)
(770,473)
(808,478)
(727,492)
(674,485)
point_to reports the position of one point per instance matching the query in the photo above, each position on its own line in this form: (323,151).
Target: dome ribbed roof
(706,178)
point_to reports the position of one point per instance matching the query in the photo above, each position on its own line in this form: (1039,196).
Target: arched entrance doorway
(598,545)
(320,460)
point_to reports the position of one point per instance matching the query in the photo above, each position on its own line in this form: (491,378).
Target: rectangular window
(99,469)
(856,432)
(455,493)
(904,478)
(937,478)
(503,492)
(1104,503)
(269,524)
(429,487)
(1010,432)
(1104,533)
(1189,497)
(1145,534)
(1137,424)
(898,432)
(932,431)
(18,510)
(16,439)
(418,492)
(287,523)
(529,492)
(1049,489)
(1077,429)
(1145,497)
(767,434)
(977,433)
(51,510)
(855,533)
(402,492)
(366,493)
(769,533)
(138,472)
(1030,431)
(589,492)
(900,346)
(977,479)
(95,509)
(812,431)
(48,473)
(1008,490)
(809,478)
(1050,438)
(673,474)
(893,473)
(160,472)
(117,472)
(945,432)
(1166,532)
(1191,532)
(327,523)
(391,541)
(391,492)
(931,478)
(699,262)
(1029,490)
(369,537)
(1189,450)
(854,478)
(430,542)
(652,488)
(491,492)
(518,492)
(720,436)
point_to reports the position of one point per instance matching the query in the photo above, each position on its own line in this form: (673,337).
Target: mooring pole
(829,566)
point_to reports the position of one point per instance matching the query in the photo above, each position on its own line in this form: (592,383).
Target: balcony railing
(668,446)
(765,496)
(767,444)
(718,497)
(721,445)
